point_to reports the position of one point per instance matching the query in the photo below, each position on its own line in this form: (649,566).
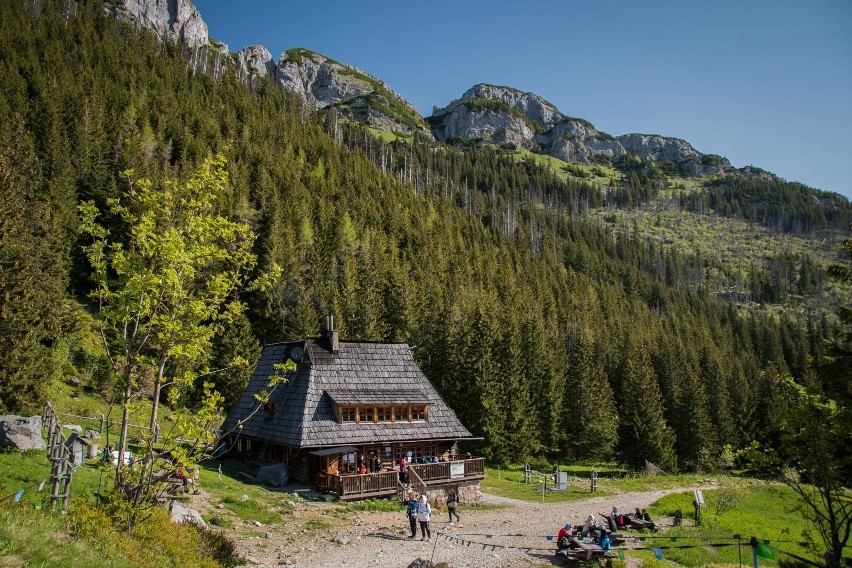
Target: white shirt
(423,511)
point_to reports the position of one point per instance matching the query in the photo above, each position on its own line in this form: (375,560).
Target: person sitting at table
(563,538)
(603,540)
(590,526)
(647,517)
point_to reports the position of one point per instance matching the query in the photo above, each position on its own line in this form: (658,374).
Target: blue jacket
(412,508)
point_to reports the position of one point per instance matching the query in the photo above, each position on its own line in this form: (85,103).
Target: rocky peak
(532,106)
(174,20)
(323,82)
(504,115)
(255,60)
(655,148)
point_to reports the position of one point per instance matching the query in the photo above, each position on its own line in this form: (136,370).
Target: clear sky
(762,82)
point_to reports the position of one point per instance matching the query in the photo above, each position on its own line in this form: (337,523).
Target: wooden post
(103,423)
(594,480)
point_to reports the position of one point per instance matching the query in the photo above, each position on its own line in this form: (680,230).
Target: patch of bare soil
(506,532)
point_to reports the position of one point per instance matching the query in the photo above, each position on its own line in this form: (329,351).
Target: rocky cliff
(656,148)
(323,82)
(175,20)
(505,115)
(501,115)
(255,61)
(483,114)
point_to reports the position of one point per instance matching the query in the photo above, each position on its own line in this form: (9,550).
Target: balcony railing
(353,486)
(457,469)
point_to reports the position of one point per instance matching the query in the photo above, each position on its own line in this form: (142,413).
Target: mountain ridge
(483,114)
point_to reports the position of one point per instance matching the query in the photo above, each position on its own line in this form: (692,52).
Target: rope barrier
(93,419)
(706,545)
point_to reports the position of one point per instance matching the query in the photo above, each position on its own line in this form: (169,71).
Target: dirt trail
(380,539)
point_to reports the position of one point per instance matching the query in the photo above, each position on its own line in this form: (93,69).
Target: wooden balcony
(450,471)
(385,483)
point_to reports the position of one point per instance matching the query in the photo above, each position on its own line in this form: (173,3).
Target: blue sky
(762,82)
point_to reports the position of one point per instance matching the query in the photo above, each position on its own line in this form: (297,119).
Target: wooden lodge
(348,402)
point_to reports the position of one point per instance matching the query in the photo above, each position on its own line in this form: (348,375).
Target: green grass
(264,504)
(315,525)
(26,470)
(36,538)
(249,510)
(509,482)
(765,512)
(374,505)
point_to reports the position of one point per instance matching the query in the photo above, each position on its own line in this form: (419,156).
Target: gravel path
(380,539)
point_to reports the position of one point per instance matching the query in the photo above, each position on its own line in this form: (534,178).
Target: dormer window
(400,413)
(374,406)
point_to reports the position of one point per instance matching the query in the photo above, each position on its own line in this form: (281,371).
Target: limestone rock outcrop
(500,115)
(505,115)
(655,148)
(323,82)
(175,20)
(255,60)
(486,114)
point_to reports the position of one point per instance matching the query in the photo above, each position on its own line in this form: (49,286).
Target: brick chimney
(331,334)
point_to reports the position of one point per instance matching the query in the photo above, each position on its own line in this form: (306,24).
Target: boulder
(21,432)
(92,434)
(181,514)
(74,428)
(274,475)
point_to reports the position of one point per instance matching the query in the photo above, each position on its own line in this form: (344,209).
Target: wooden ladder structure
(59,455)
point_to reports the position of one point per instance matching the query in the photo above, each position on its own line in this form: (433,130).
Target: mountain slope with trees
(518,298)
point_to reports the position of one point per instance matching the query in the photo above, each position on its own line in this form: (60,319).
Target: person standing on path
(452,503)
(424,511)
(411,512)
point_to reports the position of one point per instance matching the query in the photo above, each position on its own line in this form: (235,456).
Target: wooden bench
(580,551)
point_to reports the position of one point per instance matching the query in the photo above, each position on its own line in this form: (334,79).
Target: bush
(215,544)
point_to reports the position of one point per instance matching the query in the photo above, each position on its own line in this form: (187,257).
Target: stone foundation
(468,492)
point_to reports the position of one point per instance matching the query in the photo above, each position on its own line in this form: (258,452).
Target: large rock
(21,432)
(275,475)
(255,60)
(181,514)
(500,115)
(322,82)
(656,148)
(175,20)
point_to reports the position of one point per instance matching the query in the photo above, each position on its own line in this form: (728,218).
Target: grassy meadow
(28,528)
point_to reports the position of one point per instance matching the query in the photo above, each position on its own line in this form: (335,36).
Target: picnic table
(580,551)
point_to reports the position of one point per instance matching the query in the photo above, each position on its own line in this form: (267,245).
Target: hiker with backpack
(411,505)
(452,503)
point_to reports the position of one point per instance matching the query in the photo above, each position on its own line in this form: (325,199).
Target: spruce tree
(590,416)
(643,432)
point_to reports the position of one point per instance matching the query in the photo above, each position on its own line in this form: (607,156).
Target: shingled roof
(358,373)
